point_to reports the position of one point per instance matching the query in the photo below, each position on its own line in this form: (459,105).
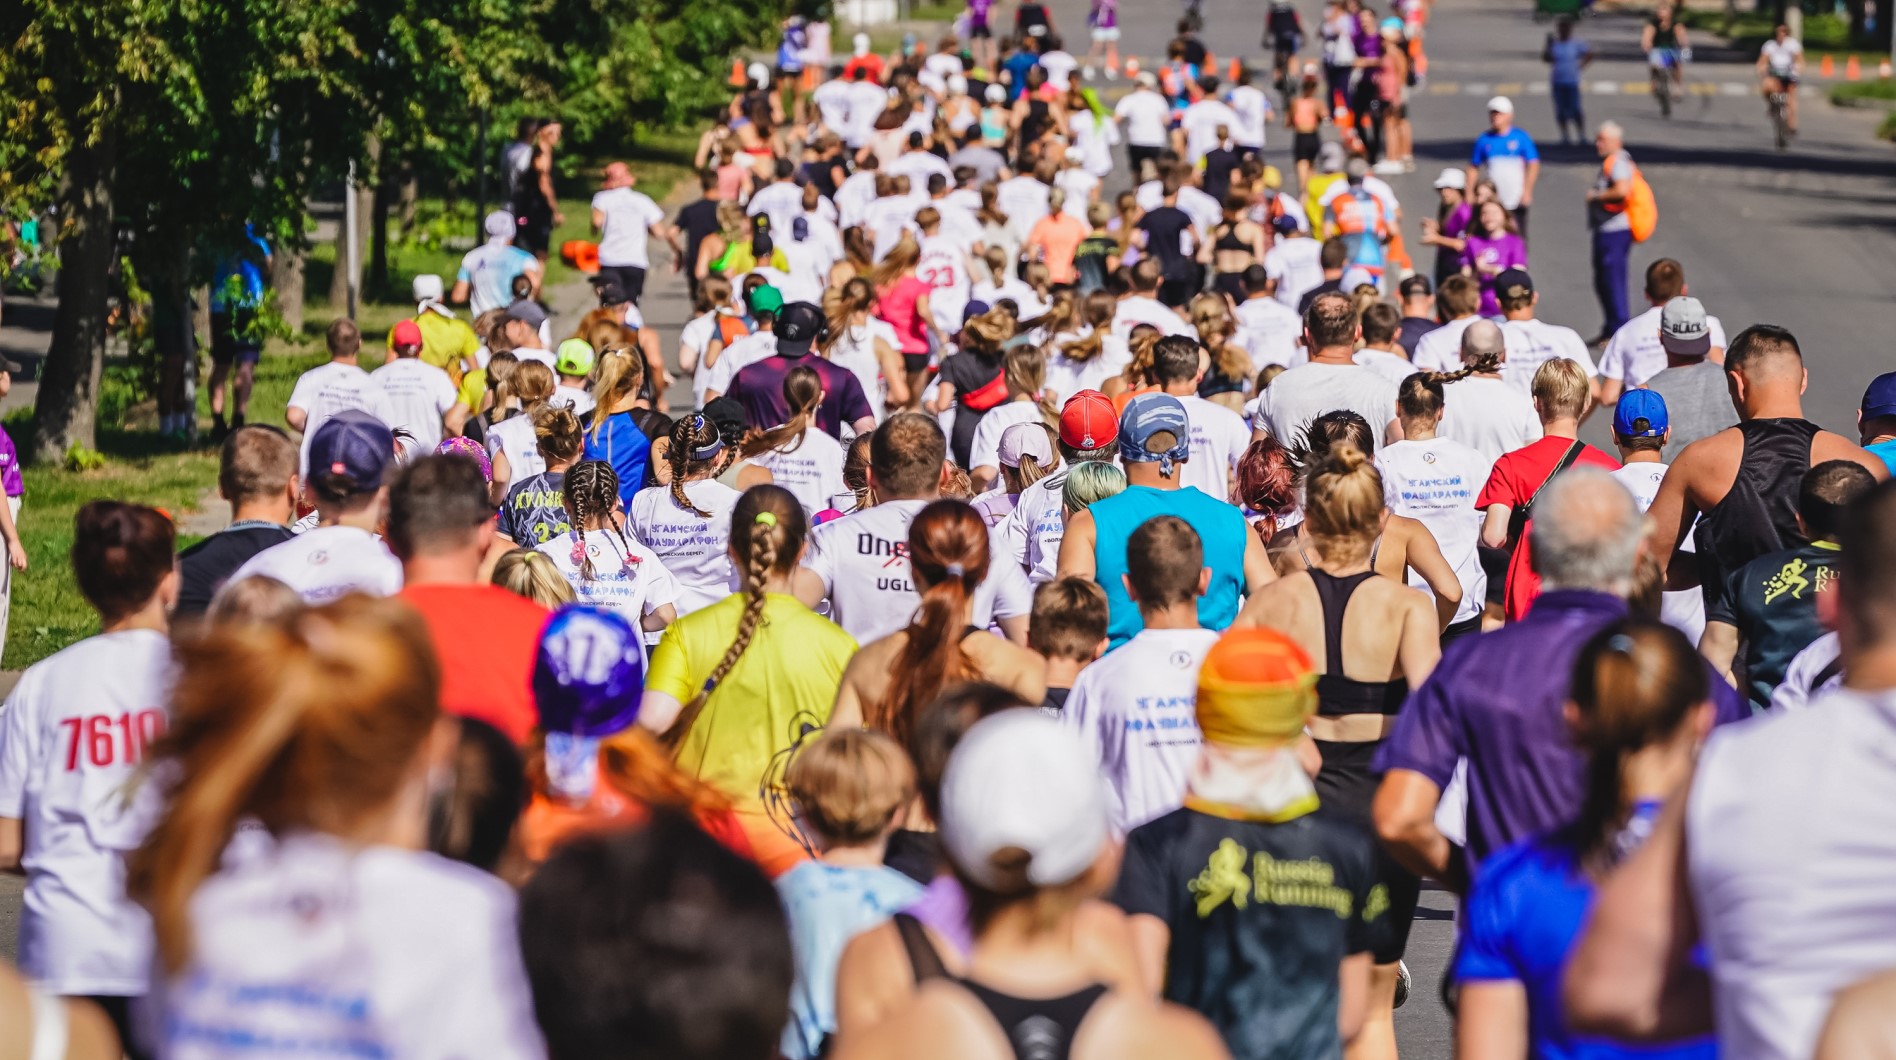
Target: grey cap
(527,311)
(1355,170)
(1684,329)
(1330,158)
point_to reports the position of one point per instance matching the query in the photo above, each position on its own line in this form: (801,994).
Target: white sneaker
(1387,166)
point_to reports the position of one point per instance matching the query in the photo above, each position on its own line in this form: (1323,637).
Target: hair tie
(1620,642)
(955,570)
(766,519)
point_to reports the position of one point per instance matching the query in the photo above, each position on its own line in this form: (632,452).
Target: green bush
(1855,90)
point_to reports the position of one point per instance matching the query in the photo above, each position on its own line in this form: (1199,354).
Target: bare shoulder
(1125,1025)
(1828,446)
(1290,585)
(1861,1025)
(941,1020)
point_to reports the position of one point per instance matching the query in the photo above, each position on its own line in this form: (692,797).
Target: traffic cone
(1882,69)
(1211,63)
(1132,68)
(1827,68)
(1237,70)
(1851,70)
(738,77)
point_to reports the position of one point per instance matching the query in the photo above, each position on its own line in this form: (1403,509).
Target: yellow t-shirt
(777,696)
(446,342)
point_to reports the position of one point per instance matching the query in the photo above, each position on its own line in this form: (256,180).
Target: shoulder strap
(1517,520)
(1830,670)
(923,959)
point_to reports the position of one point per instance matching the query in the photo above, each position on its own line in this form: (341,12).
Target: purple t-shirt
(759,388)
(1496,700)
(1505,251)
(10,466)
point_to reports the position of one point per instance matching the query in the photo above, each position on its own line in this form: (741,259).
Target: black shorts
(534,237)
(1494,563)
(981,32)
(630,278)
(1177,293)
(1304,146)
(1137,156)
(915,363)
(227,344)
(1347,784)
(1230,283)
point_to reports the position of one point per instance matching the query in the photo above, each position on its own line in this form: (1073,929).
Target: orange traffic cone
(1237,70)
(1132,67)
(1827,68)
(1211,63)
(1851,70)
(738,77)
(1882,69)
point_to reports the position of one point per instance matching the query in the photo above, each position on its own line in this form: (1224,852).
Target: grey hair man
(1497,699)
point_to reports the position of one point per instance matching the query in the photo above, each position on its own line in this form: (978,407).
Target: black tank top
(1337,694)
(1758,515)
(1038,1028)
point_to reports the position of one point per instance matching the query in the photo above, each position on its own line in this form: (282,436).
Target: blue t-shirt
(828,905)
(1018,64)
(247,265)
(622,444)
(1886,451)
(1220,529)
(1505,156)
(1522,918)
(1566,56)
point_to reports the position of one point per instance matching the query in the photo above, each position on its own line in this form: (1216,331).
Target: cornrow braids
(695,446)
(768,528)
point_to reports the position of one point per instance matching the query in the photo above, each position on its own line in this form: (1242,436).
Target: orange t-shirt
(486,639)
(546,823)
(1061,234)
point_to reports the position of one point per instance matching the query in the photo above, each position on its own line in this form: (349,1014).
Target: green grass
(1822,33)
(1887,130)
(943,12)
(1854,90)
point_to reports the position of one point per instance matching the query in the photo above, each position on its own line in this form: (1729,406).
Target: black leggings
(118,1009)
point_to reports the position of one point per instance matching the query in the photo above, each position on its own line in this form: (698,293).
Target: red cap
(1088,421)
(406,333)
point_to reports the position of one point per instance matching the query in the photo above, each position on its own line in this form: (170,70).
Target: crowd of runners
(1096,578)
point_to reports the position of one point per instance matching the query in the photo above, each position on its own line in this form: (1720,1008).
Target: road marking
(1477,88)
(1634,88)
(1735,88)
(1443,88)
(1537,88)
(1703,88)
(1606,88)
(1511,88)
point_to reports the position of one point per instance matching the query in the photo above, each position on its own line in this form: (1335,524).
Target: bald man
(1483,412)
(1743,481)
(623,218)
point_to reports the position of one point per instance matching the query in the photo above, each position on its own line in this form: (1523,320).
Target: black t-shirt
(1261,915)
(204,567)
(1773,603)
(1220,163)
(1165,228)
(1303,304)
(534,511)
(1090,261)
(697,221)
(1195,52)
(975,379)
(1413,328)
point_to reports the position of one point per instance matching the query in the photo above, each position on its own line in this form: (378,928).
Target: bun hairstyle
(948,557)
(556,432)
(768,529)
(1326,432)
(1634,684)
(802,393)
(312,722)
(1421,396)
(1343,504)
(121,554)
(696,451)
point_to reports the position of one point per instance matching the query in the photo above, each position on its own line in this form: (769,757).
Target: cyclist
(1283,35)
(1780,64)
(1666,47)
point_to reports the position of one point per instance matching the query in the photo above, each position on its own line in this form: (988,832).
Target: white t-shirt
(1023,199)
(1201,121)
(918,166)
(1270,332)
(1789,865)
(1796,691)
(1297,266)
(1059,67)
(1137,309)
(1634,355)
(853,197)
(855,350)
(1532,343)
(867,101)
(1253,109)
(316,943)
(72,736)
(418,394)
(1780,57)
(832,102)
(783,201)
(330,388)
(1309,390)
(1036,526)
(579,399)
(694,550)
(943,266)
(1437,482)
(1391,366)
(1682,609)
(627,576)
(738,356)
(890,216)
(514,436)
(1488,416)
(1219,438)
(1147,115)
(862,559)
(984,451)
(1097,137)
(812,470)
(1066,376)
(327,563)
(1137,710)
(1079,186)
(1441,350)
(629,217)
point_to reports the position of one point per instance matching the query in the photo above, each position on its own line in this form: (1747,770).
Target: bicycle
(1662,90)
(1780,122)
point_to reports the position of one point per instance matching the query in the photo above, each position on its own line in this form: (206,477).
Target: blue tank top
(1220,528)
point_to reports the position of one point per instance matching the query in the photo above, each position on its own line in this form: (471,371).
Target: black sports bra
(1036,1028)
(1230,240)
(1336,694)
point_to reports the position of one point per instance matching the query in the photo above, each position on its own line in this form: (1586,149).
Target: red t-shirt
(1515,478)
(487,639)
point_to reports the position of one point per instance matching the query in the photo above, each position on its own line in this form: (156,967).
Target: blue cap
(1145,417)
(1640,414)
(589,673)
(1880,398)
(354,445)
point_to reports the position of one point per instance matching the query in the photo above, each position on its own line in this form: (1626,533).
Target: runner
(1567,58)
(256,474)
(487,273)
(1331,379)
(1531,342)
(1641,433)
(1506,155)
(1637,351)
(604,566)
(1436,480)
(1692,380)
(341,554)
(687,523)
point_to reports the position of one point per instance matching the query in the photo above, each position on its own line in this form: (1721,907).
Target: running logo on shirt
(1309,884)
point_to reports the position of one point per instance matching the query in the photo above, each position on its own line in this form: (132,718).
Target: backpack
(1641,209)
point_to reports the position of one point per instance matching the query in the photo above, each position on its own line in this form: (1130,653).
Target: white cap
(427,287)
(957,85)
(1355,276)
(1453,177)
(1076,154)
(995,93)
(861,43)
(1500,105)
(1147,79)
(499,223)
(1025,439)
(760,74)
(1022,780)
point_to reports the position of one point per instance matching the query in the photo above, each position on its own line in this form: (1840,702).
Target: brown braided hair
(1138,371)
(687,435)
(591,492)
(948,557)
(767,532)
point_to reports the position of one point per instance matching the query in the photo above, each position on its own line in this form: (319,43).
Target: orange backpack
(1642,210)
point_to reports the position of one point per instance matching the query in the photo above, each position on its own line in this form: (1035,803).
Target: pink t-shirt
(895,304)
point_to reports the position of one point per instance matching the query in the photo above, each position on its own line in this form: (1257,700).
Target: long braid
(687,435)
(589,490)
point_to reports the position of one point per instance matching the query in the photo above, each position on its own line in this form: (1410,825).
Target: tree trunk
(66,412)
(174,332)
(410,197)
(286,279)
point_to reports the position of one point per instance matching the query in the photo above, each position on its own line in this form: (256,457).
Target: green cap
(575,357)
(766,299)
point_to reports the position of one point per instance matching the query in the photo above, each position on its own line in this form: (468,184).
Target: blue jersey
(1220,527)
(1505,157)
(247,266)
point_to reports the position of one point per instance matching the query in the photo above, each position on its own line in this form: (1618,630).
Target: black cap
(1513,283)
(1416,286)
(610,293)
(798,325)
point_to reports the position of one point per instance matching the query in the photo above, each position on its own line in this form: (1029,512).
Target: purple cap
(355,445)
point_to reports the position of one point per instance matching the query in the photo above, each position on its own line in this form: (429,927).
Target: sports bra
(1036,1028)
(1337,694)
(1231,241)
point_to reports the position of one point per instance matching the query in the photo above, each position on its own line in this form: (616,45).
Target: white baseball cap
(1453,177)
(1025,439)
(860,42)
(427,287)
(1021,780)
(1500,105)
(499,223)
